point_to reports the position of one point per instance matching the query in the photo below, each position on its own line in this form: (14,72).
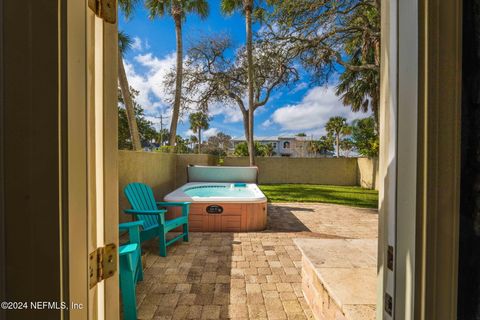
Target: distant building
(287,146)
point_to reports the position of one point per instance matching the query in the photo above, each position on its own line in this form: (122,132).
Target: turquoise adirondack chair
(130,268)
(145,208)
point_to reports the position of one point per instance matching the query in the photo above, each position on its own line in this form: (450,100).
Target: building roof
(275,139)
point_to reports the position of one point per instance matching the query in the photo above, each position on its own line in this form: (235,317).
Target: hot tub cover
(222,174)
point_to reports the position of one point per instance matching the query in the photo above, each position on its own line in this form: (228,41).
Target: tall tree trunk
(251,138)
(248,22)
(375,109)
(246,126)
(178,80)
(199,140)
(338,145)
(127,99)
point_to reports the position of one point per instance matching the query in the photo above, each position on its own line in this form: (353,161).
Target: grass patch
(349,196)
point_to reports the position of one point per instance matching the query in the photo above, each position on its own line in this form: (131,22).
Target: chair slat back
(141,197)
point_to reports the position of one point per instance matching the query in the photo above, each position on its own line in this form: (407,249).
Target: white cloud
(267,123)
(147,76)
(299,87)
(231,113)
(311,114)
(210,133)
(205,134)
(149,83)
(137,44)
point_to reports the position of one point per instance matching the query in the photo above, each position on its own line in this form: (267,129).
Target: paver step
(339,277)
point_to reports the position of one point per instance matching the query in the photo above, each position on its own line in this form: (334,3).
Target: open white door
(420,159)
(92,154)
(398,190)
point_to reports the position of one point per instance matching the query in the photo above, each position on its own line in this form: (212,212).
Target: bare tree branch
(213,75)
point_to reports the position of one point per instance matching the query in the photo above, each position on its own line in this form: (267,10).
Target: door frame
(77,157)
(438,195)
(92,159)
(60,233)
(2,170)
(420,124)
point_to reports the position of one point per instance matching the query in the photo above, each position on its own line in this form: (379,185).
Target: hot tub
(234,206)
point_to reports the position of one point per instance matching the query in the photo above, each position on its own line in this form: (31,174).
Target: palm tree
(199,122)
(229,7)
(337,127)
(178,9)
(346,145)
(127,7)
(124,44)
(193,139)
(270,150)
(360,90)
(163,135)
(325,144)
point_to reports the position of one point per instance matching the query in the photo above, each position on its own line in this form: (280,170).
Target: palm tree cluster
(338,128)
(361,135)
(348,44)
(178,10)
(349,39)
(260,150)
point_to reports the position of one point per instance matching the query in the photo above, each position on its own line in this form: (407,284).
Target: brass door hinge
(390,257)
(102,264)
(105,9)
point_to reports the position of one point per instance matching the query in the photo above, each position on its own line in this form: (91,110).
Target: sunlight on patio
(245,275)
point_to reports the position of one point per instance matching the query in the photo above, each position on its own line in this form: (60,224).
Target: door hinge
(105,9)
(388,304)
(390,257)
(102,264)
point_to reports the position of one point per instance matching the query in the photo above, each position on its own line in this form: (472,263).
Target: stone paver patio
(244,275)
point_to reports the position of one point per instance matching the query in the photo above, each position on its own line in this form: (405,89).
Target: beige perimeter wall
(165,172)
(367,173)
(162,171)
(330,171)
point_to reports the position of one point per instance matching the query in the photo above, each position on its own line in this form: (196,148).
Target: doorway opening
(469,251)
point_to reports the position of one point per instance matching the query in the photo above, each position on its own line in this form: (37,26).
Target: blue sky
(301,108)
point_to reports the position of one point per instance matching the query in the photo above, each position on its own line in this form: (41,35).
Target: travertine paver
(339,277)
(244,275)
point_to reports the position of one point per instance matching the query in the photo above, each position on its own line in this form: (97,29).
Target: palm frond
(158,8)
(230,6)
(124,42)
(127,7)
(200,7)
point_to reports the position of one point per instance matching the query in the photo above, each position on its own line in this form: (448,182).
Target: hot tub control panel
(214,209)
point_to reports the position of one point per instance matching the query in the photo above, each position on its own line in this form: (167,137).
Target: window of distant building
(274,144)
(286,145)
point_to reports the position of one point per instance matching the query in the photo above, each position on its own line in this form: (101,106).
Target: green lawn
(350,196)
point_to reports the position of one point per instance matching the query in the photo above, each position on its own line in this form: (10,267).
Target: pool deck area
(255,275)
